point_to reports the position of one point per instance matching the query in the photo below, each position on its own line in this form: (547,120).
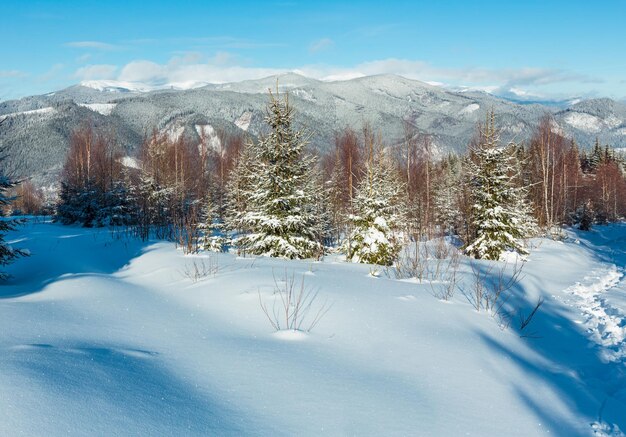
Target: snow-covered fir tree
(500,214)
(154,207)
(239,189)
(446,196)
(585,216)
(209,228)
(7,253)
(336,193)
(377,217)
(118,209)
(281,192)
(80,205)
(322,209)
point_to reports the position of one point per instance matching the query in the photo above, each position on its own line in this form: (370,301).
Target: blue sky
(550,49)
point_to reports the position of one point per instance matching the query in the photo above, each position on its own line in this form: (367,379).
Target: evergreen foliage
(377,218)
(239,189)
(446,197)
(585,216)
(209,228)
(278,191)
(7,253)
(500,213)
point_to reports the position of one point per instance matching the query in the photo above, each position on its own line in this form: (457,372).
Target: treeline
(365,197)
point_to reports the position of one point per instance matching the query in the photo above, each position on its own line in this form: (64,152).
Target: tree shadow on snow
(106,390)
(64,251)
(568,363)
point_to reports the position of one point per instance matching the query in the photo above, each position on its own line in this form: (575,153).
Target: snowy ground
(106,336)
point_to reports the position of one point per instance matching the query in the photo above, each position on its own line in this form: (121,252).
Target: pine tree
(281,195)
(377,218)
(500,213)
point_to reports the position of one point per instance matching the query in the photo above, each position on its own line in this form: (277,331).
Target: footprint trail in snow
(605,324)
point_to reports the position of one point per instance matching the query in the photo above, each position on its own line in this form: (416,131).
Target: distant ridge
(37,128)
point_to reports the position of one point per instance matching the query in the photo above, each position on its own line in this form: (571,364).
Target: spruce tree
(377,218)
(597,156)
(239,189)
(209,227)
(337,193)
(446,196)
(7,253)
(500,212)
(280,193)
(585,215)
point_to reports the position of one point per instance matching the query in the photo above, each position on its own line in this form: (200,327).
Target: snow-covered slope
(386,102)
(109,336)
(100,108)
(116,86)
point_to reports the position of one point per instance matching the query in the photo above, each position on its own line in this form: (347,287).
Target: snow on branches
(500,214)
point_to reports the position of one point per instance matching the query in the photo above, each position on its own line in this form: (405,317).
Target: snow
(116,86)
(511,257)
(130,162)
(174,132)
(40,111)
(516,128)
(605,323)
(208,132)
(435,83)
(304,94)
(105,335)
(139,87)
(555,128)
(472,107)
(101,108)
(584,122)
(612,121)
(290,335)
(243,122)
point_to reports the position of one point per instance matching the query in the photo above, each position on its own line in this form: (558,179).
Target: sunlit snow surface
(105,335)
(101,108)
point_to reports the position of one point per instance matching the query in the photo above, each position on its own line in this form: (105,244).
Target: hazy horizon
(525,51)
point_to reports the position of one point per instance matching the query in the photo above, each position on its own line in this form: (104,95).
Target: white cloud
(91,45)
(84,58)
(321,44)
(96,72)
(11,73)
(436,83)
(226,42)
(142,71)
(179,70)
(189,69)
(425,71)
(338,76)
(52,73)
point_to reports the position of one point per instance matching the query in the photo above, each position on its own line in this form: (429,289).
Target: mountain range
(35,131)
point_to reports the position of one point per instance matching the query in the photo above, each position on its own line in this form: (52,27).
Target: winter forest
(365,198)
(313,218)
(455,226)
